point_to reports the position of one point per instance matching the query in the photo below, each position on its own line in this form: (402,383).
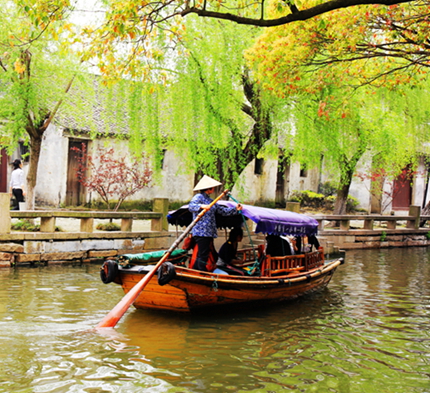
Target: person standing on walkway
(205,231)
(17,183)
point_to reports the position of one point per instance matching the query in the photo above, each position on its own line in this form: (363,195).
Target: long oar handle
(111,319)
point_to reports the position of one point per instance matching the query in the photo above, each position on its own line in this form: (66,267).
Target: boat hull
(193,290)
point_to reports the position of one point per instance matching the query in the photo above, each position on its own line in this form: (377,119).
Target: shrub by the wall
(312,199)
(308,198)
(351,203)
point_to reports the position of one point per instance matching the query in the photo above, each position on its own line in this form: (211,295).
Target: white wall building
(263,181)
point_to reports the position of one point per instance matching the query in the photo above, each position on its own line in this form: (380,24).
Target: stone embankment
(374,231)
(84,243)
(25,250)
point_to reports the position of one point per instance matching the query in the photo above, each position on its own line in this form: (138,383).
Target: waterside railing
(335,233)
(48,218)
(411,221)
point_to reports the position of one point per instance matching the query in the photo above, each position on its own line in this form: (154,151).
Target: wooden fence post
(161,205)
(5,212)
(293,207)
(414,211)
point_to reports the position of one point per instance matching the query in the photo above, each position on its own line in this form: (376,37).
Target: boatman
(205,230)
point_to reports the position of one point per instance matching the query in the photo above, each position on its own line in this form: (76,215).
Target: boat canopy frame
(269,221)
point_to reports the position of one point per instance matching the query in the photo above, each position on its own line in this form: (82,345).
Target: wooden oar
(111,319)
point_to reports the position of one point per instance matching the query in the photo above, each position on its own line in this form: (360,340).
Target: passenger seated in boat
(313,241)
(306,243)
(280,246)
(227,254)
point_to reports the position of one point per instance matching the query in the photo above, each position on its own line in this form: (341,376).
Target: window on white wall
(258,168)
(163,156)
(303,171)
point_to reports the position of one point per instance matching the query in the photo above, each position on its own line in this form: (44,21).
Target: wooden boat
(279,279)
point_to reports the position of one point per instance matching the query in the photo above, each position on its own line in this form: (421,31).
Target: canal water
(367,332)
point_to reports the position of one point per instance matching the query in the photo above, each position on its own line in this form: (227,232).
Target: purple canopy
(269,221)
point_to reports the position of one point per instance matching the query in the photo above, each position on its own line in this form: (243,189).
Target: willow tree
(382,124)
(37,70)
(198,100)
(221,117)
(136,36)
(323,62)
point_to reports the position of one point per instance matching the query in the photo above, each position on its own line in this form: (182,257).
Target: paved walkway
(73,225)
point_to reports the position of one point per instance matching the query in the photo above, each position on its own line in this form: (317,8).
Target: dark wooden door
(3,171)
(402,192)
(76,193)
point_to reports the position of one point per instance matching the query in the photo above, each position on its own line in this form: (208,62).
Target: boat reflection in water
(366,332)
(226,349)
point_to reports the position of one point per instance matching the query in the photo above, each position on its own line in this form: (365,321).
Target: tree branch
(57,106)
(3,66)
(293,17)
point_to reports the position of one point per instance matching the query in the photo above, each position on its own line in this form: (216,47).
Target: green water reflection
(367,332)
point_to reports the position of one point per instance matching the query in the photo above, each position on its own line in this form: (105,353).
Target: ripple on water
(367,332)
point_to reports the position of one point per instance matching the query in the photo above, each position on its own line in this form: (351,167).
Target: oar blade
(112,318)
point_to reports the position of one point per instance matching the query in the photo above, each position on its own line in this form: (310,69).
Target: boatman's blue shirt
(206,227)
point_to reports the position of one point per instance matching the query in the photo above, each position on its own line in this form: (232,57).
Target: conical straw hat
(205,183)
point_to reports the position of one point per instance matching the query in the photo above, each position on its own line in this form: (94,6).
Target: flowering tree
(111,175)
(381,176)
(37,71)
(135,34)
(323,61)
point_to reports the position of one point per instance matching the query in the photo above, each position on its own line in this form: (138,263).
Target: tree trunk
(231,162)
(341,199)
(426,208)
(35,145)
(347,169)
(230,168)
(35,129)
(425,212)
(343,190)
(376,194)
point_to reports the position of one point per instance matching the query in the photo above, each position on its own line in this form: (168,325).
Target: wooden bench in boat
(314,259)
(273,266)
(249,255)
